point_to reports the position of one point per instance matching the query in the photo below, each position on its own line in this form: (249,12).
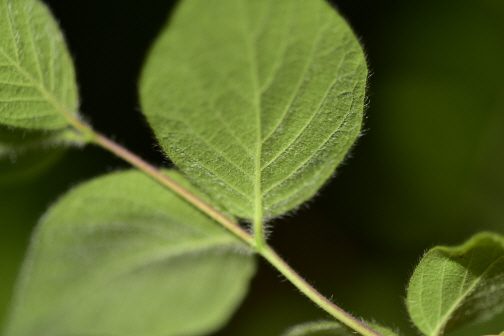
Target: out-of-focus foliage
(121,254)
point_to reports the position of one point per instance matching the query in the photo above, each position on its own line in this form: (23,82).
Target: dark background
(429,169)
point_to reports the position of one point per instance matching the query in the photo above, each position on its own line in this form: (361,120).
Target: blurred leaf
(122,255)
(320,328)
(21,166)
(27,153)
(37,81)
(20,139)
(256,101)
(330,328)
(455,286)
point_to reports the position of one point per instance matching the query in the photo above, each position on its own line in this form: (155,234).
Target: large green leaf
(454,286)
(122,255)
(37,81)
(257,101)
(330,328)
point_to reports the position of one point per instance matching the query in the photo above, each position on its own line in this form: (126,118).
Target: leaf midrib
(253,67)
(259,167)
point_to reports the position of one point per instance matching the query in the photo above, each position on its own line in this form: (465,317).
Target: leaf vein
(281,55)
(50,98)
(466,293)
(305,126)
(52,57)
(226,184)
(204,141)
(421,299)
(298,85)
(12,31)
(17,84)
(23,100)
(35,54)
(440,326)
(301,165)
(231,131)
(254,70)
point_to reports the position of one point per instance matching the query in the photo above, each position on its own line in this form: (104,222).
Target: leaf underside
(121,255)
(37,81)
(455,286)
(256,101)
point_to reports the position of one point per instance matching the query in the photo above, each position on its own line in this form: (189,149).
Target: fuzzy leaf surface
(122,255)
(330,328)
(37,81)
(256,101)
(455,286)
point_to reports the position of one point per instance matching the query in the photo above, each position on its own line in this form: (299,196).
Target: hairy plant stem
(257,242)
(314,295)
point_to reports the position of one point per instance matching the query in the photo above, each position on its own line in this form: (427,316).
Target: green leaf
(330,328)
(455,286)
(122,255)
(37,81)
(256,101)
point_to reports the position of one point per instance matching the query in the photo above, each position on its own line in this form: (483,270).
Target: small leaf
(455,286)
(37,81)
(331,328)
(122,255)
(256,101)
(319,328)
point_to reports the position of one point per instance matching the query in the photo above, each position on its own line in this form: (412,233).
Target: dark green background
(429,169)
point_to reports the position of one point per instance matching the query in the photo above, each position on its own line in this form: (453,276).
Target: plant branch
(174,186)
(258,242)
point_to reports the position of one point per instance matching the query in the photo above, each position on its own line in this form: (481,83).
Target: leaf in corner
(122,255)
(331,328)
(456,286)
(37,80)
(256,101)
